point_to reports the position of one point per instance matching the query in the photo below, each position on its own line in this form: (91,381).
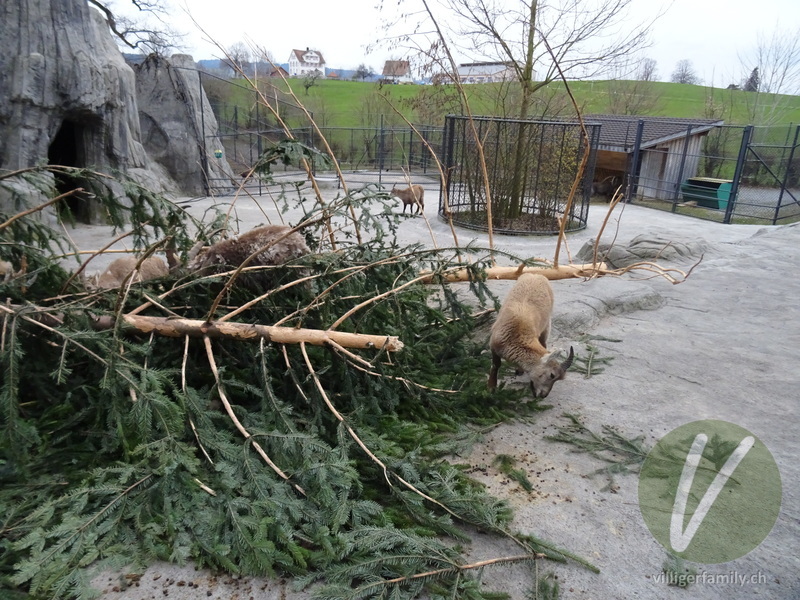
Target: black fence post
(737,174)
(447,158)
(787,173)
(633,180)
(380,151)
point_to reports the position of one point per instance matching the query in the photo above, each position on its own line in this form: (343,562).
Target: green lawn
(356,104)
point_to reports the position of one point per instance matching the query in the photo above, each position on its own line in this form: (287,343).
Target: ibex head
(547,372)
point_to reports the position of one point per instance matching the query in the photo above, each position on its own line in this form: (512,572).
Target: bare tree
(363,72)
(632,89)
(537,39)
(310,79)
(648,70)
(776,60)
(146,31)
(239,57)
(684,73)
(582,39)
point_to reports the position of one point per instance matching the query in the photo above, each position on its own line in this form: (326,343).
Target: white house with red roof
(302,62)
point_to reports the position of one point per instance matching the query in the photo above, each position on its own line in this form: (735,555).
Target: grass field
(355,104)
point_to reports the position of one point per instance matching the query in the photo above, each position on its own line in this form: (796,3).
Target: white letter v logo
(678,538)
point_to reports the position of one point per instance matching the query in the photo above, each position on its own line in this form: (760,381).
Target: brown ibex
(138,270)
(411,196)
(270,245)
(520,332)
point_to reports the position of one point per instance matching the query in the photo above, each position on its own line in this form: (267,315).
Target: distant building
(302,62)
(486,72)
(278,71)
(397,71)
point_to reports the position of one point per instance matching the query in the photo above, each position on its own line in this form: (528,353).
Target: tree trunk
(172,327)
(552,273)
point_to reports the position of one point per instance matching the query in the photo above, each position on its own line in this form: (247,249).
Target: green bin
(708,191)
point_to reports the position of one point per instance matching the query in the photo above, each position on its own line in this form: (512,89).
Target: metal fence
(746,175)
(724,173)
(531,166)
(380,148)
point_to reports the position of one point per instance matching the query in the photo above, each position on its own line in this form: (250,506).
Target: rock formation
(67,97)
(179,129)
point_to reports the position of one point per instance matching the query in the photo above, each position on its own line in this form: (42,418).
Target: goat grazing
(121,269)
(520,334)
(411,196)
(269,245)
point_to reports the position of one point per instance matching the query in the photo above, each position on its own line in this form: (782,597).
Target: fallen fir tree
(121,446)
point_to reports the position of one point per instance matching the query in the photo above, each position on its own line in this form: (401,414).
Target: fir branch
(622,454)
(221,391)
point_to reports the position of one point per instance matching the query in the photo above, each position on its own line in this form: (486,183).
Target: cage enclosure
(530,165)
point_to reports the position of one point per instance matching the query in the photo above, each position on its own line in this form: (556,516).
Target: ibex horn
(568,362)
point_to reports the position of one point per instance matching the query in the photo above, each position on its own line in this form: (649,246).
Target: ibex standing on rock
(520,334)
(411,196)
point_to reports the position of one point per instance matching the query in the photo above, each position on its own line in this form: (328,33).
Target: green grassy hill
(361,104)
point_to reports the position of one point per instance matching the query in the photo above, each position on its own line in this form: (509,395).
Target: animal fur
(270,245)
(120,270)
(519,334)
(607,186)
(411,196)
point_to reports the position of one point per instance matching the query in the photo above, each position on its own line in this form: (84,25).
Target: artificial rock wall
(68,97)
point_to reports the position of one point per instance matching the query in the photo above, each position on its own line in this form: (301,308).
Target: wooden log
(553,273)
(178,327)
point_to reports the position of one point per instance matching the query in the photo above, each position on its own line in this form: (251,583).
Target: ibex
(411,196)
(272,245)
(520,332)
(121,269)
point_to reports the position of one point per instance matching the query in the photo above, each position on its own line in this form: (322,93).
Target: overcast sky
(710,33)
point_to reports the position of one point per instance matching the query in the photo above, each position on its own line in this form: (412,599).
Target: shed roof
(618,132)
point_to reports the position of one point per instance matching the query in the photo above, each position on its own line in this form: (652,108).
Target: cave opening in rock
(69,149)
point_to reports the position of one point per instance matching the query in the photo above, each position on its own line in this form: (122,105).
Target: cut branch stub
(177,327)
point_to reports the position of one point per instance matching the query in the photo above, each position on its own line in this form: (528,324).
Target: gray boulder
(643,248)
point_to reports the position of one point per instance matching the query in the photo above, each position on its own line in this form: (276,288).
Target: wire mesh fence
(530,167)
(735,174)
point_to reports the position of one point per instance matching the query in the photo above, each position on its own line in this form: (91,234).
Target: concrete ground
(722,345)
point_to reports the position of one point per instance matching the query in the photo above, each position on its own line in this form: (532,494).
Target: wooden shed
(669,151)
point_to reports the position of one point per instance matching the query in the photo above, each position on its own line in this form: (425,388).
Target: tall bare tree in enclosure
(534,38)
(684,73)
